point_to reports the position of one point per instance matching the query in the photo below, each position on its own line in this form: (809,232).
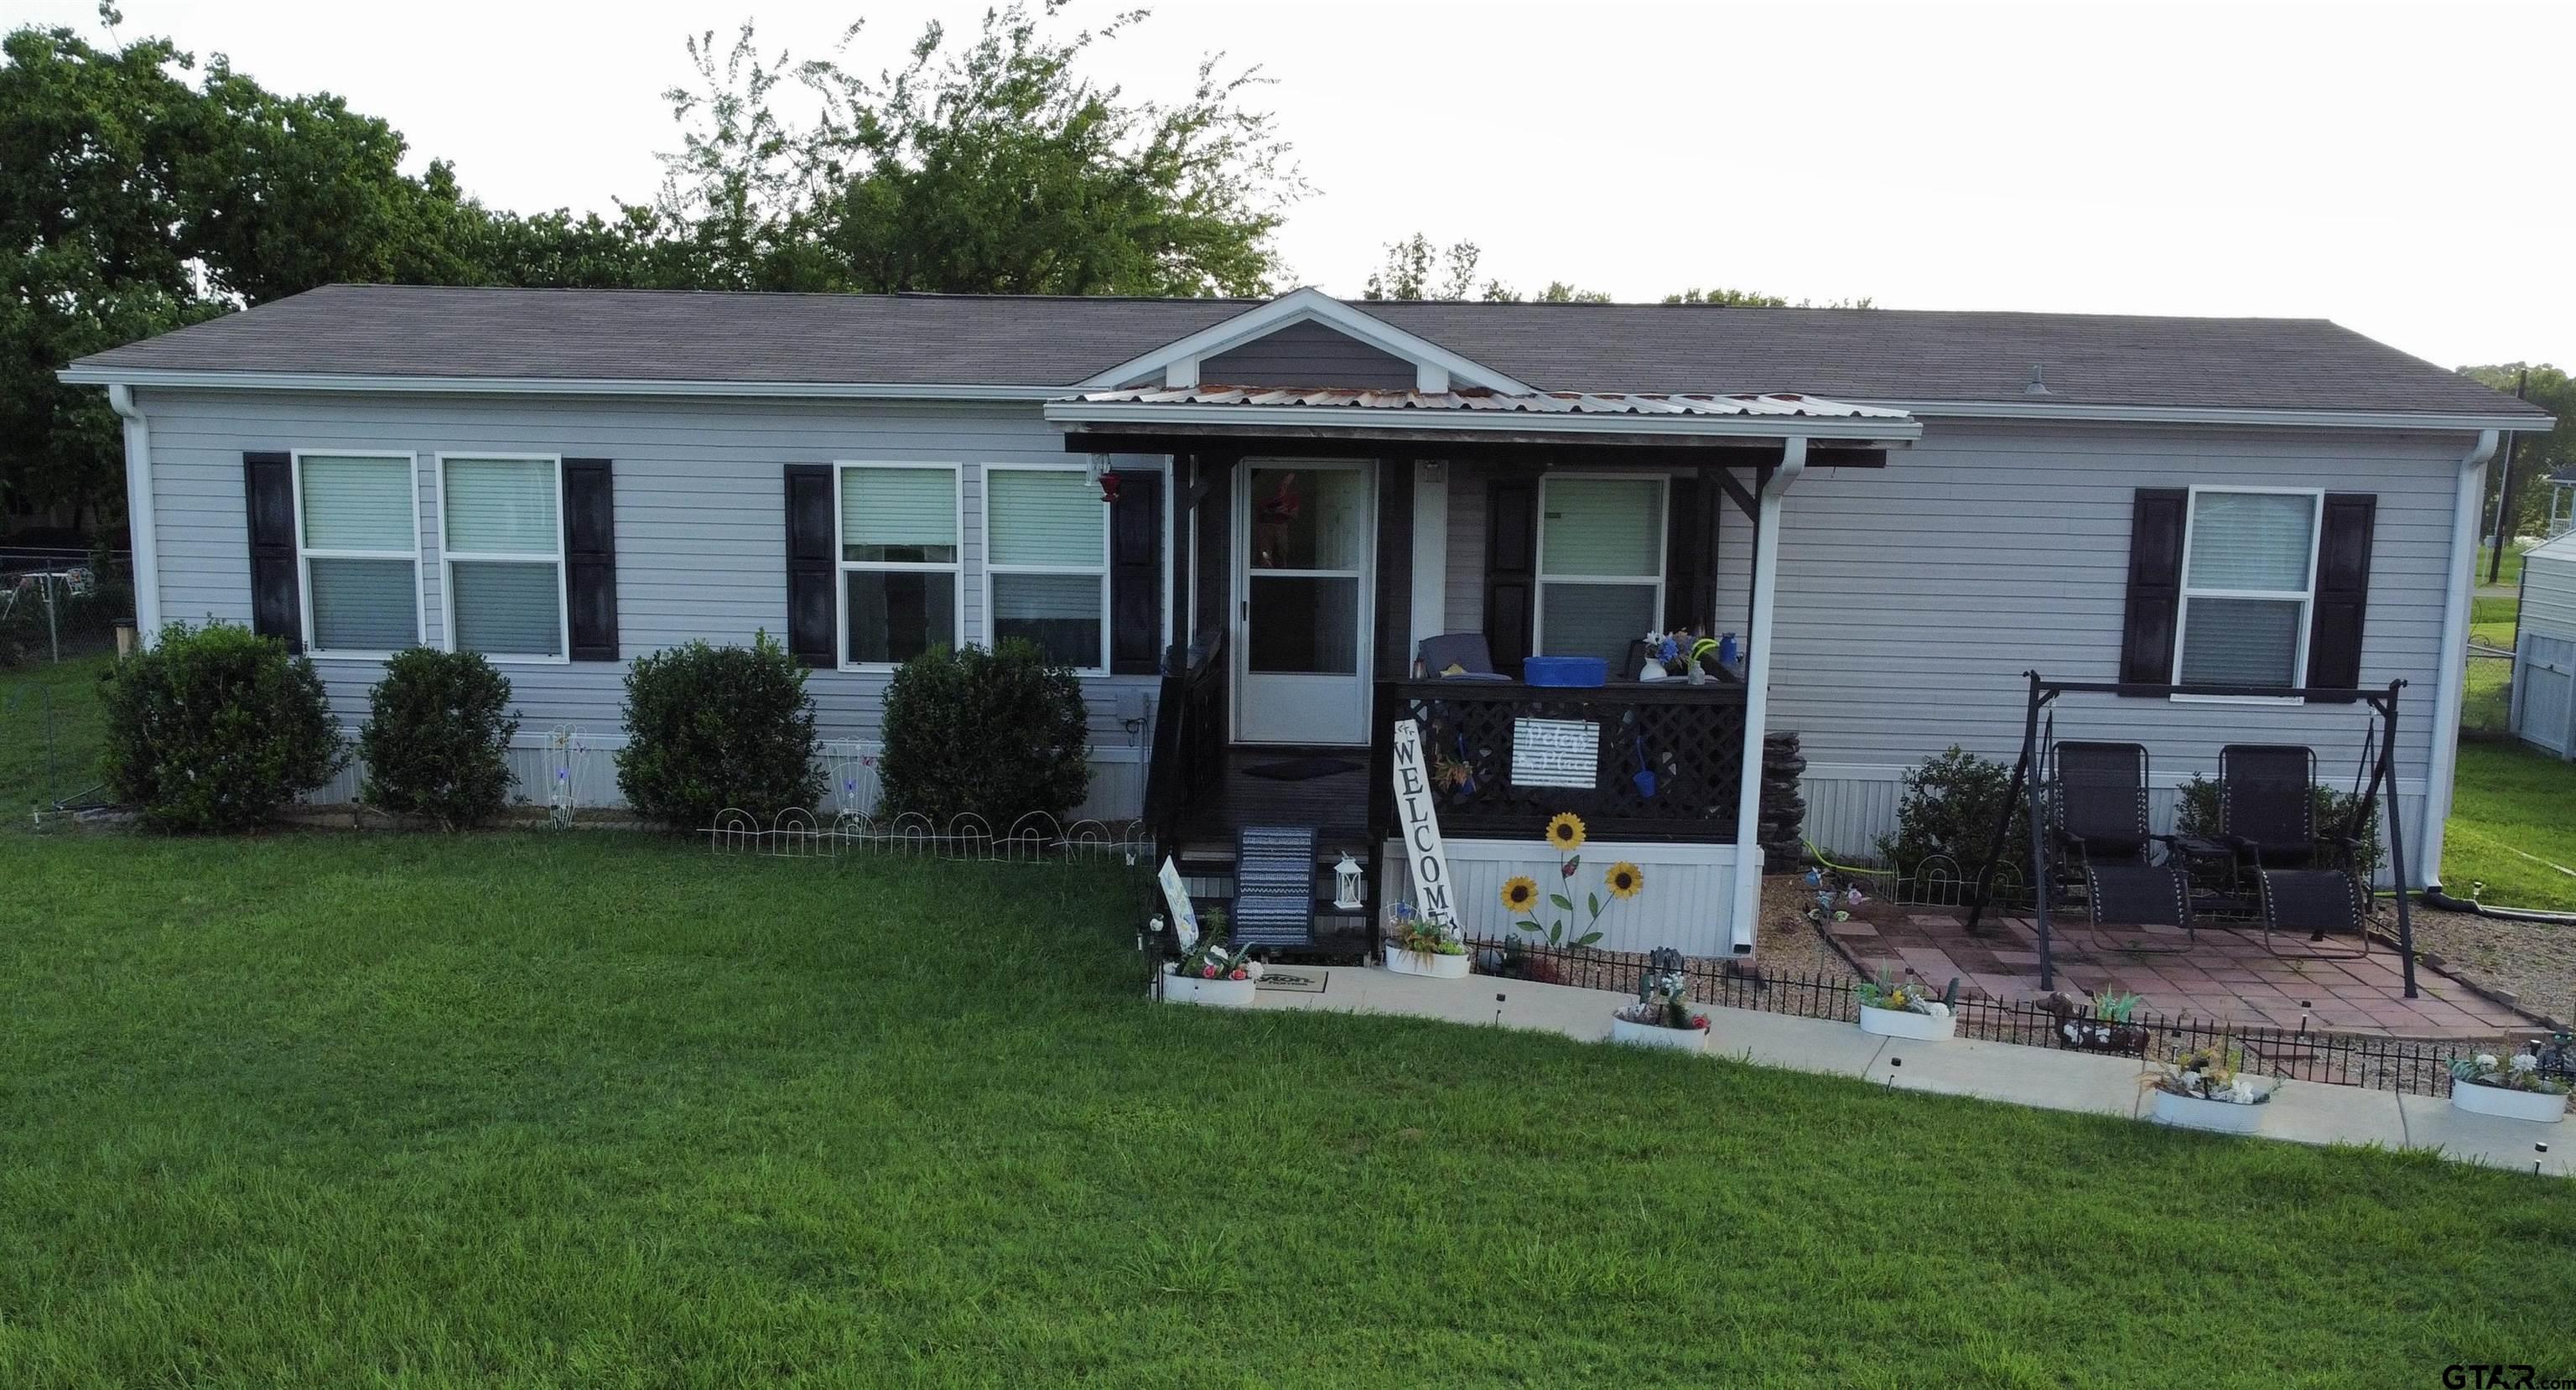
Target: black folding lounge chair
(2267,809)
(2149,905)
(2309,906)
(2098,806)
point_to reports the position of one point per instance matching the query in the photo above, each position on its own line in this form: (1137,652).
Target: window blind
(364,605)
(899,514)
(2251,540)
(1059,612)
(2240,641)
(502,506)
(358,504)
(1048,518)
(507,607)
(1595,620)
(1603,526)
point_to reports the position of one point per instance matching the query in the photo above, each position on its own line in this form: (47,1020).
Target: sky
(2393,168)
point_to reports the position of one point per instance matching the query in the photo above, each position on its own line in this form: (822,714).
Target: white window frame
(2185,592)
(448,556)
(992,619)
(304,555)
(1663,554)
(843,566)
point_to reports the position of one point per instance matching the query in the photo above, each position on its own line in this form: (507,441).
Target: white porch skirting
(1687,901)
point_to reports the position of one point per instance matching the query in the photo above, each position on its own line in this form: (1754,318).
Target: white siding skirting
(1689,888)
(847,766)
(1850,806)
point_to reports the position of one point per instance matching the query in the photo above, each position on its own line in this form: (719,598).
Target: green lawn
(42,706)
(2511,797)
(602,1109)
(2510,574)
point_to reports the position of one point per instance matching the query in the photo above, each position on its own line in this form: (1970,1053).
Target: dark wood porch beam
(1742,496)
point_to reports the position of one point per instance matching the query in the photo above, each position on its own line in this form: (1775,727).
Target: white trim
(2468,498)
(140,512)
(448,555)
(1239,586)
(1757,695)
(1539,578)
(304,555)
(2164,780)
(1882,429)
(2184,593)
(992,619)
(1303,305)
(1430,601)
(190,379)
(2214,415)
(842,567)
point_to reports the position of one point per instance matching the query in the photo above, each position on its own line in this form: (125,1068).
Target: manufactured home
(1265,531)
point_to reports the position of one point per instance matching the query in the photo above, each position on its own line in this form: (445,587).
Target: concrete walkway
(2305,1112)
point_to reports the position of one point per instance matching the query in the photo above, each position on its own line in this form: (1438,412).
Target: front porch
(1403,563)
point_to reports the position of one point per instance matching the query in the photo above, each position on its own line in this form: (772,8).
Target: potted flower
(2202,1088)
(2098,1024)
(1210,973)
(2515,1088)
(1895,1008)
(1416,945)
(1662,1015)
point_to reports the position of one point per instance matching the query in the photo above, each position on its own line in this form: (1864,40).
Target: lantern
(1350,882)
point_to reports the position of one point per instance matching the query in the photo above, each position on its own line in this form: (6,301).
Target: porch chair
(1464,650)
(2139,895)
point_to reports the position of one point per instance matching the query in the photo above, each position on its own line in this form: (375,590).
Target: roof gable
(1180,362)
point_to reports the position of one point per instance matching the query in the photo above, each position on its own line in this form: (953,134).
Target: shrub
(709,728)
(1949,808)
(214,728)
(437,737)
(996,734)
(2198,815)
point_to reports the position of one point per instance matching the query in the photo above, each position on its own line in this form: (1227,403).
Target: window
(358,538)
(2248,580)
(1600,566)
(501,519)
(1046,575)
(899,590)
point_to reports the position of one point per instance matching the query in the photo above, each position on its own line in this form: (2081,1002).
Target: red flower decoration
(1108,487)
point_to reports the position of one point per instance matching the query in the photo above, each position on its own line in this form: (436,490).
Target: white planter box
(1905,1023)
(1431,964)
(2538,1106)
(2216,1116)
(1218,993)
(1649,1035)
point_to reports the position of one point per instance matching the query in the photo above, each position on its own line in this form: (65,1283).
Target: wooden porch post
(1757,694)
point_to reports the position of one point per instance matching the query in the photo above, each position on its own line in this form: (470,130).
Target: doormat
(1301,769)
(1291,982)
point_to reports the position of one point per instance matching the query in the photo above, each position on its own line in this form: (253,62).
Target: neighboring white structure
(2544,649)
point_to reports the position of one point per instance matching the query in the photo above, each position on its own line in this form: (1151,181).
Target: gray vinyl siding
(700,499)
(2549,589)
(1307,354)
(1912,598)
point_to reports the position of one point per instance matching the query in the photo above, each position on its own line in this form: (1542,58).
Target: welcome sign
(1423,852)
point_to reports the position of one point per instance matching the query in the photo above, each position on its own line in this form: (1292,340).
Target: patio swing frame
(2025,794)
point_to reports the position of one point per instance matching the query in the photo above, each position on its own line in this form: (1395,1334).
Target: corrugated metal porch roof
(1541,403)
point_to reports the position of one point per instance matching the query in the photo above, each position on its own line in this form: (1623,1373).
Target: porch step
(1274,885)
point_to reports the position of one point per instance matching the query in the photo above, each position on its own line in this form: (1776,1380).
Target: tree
(995,167)
(2534,456)
(1414,269)
(1755,299)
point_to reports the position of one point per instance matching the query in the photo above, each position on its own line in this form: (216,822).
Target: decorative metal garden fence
(1037,838)
(2387,1064)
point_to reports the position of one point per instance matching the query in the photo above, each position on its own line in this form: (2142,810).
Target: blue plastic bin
(1583,671)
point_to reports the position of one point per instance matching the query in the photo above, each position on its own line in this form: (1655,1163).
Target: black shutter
(1690,573)
(1136,575)
(1511,570)
(276,600)
(590,557)
(2343,591)
(810,565)
(2155,585)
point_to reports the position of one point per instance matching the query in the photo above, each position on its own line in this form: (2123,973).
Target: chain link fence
(56,603)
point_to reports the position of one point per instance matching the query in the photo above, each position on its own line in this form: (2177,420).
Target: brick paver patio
(2226,974)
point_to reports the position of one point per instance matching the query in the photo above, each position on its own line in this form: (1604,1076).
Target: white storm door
(1304,533)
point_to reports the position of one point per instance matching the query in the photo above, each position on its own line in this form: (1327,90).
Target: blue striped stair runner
(1274,885)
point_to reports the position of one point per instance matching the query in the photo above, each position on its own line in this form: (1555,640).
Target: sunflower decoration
(1565,832)
(1624,879)
(1520,894)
